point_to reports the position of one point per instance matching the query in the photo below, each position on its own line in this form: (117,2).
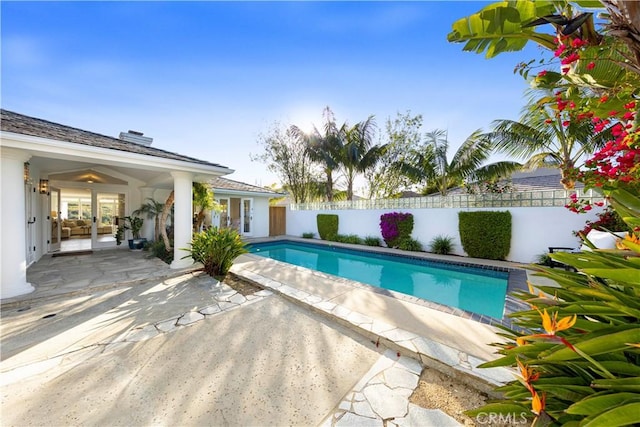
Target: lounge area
(82,228)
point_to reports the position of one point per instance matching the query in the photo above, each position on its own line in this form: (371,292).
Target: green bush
(442,245)
(578,348)
(216,249)
(372,241)
(485,234)
(309,235)
(327,226)
(409,244)
(158,250)
(350,238)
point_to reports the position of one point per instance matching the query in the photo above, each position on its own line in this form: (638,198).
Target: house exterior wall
(533,229)
(260,217)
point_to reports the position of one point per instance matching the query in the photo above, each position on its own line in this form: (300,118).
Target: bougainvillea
(395,227)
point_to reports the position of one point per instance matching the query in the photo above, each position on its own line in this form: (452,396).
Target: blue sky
(205,79)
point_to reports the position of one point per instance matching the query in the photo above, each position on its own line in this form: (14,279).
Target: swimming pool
(471,289)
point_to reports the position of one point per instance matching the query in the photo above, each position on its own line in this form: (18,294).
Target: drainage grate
(48,316)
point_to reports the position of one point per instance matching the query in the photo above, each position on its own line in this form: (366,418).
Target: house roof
(26,125)
(220,183)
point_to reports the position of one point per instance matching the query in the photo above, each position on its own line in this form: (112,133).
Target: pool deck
(413,334)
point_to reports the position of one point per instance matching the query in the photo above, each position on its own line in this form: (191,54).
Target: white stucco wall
(533,229)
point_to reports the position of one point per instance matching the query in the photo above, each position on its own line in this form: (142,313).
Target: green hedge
(327,226)
(485,234)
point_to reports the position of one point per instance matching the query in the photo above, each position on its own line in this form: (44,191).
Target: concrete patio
(115,338)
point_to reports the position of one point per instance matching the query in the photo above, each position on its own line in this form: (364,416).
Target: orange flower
(528,375)
(551,324)
(537,404)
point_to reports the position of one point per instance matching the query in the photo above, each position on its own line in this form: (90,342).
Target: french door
(246,217)
(55,235)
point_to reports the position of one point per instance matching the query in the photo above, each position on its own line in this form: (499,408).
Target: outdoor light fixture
(44,186)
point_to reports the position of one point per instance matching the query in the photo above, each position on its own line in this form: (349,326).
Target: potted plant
(134,224)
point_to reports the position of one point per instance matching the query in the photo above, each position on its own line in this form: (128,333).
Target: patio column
(183,218)
(13,228)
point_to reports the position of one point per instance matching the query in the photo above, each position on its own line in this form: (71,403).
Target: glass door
(223,215)
(54,220)
(106,207)
(247,217)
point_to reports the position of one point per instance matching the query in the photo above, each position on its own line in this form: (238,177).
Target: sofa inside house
(81,227)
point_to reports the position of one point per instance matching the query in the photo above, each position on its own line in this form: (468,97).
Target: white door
(246,217)
(30,194)
(53,218)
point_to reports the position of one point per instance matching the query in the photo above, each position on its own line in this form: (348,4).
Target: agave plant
(578,348)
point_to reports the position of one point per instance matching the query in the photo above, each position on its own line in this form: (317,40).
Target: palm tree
(357,154)
(324,148)
(430,164)
(542,138)
(152,209)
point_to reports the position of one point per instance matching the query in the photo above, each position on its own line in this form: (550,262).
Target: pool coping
(516,281)
(452,361)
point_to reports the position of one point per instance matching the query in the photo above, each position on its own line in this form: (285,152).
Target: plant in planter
(134,224)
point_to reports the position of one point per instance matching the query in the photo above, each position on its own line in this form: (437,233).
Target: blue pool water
(472,289)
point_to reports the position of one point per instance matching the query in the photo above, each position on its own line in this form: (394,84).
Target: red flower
(548,121)
(542,73)
(578,43)
(630,106)
(591,65)
(605,98)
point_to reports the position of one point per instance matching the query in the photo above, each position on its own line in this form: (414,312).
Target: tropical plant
(153,210)
(358,154)
(429,164)
(325,147)
(442,245)
(578,348)
(133,223)
(409,244)
(372,241)
(159,250)
(545,137)
(203,201)
(216,249)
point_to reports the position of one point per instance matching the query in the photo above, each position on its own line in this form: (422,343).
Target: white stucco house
(61,185)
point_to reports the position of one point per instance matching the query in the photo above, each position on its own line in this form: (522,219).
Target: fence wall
(534,229)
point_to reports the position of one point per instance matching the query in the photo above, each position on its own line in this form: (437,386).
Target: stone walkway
(380,397)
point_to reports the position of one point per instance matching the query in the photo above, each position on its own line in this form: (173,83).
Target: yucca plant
(578,349)
(216,249)
(442,245)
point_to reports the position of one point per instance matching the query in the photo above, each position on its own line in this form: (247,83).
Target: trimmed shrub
(308,235)
(442,245)
(327,226)
(409,244)
(372,241)
(485,234)
(396,226)
(216,249)
(350,238)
